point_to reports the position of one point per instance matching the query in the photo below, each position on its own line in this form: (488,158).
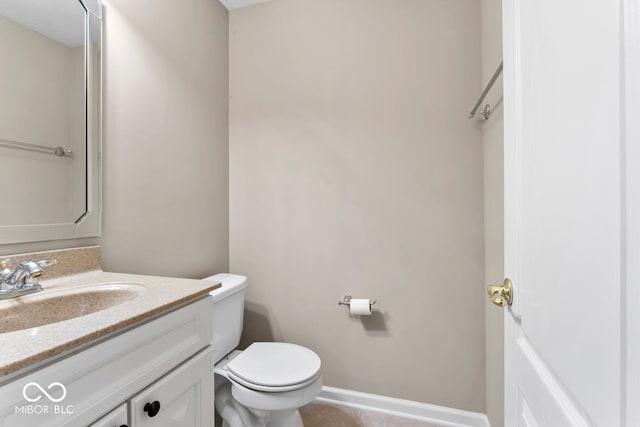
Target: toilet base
(235,415)
(289,420)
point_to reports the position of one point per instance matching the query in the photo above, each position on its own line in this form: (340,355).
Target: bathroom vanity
(144,360)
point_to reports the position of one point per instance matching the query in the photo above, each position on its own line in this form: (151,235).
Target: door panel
(563,229)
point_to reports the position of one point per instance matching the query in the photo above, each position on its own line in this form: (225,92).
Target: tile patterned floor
(323,415)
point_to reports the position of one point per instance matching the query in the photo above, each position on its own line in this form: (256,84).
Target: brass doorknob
(501,295)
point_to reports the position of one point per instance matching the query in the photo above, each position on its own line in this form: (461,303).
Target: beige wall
(353,169)
(165,143)
(492,136)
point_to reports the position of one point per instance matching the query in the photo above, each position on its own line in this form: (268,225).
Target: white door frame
(631,211)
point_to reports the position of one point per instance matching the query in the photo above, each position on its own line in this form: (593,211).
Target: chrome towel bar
(58,151)
(486,110)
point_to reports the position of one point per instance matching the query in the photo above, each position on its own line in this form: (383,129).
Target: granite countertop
(152,296)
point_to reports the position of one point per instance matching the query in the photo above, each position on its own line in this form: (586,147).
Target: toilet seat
(270,389)
(283,401)
(274,367)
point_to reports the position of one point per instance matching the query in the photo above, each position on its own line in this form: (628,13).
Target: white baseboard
(440,415)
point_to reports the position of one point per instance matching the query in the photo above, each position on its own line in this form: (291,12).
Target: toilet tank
(228,312)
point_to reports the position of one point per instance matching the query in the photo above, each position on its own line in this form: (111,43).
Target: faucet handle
(5,273)
(46,262)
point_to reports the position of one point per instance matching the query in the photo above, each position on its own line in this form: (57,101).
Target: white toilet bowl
(266,384)
(235,414)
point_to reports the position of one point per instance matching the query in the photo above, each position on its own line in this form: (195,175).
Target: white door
(570,212)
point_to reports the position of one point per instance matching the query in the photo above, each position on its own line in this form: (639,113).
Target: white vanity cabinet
(116,418)
(181,398)
(166,360)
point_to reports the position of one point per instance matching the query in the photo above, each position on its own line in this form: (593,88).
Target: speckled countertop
(141,298)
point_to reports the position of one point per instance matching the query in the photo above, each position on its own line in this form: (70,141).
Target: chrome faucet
(22,280)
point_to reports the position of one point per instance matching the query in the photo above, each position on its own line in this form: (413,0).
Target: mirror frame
(90,224)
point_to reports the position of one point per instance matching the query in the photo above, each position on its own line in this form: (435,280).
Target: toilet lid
(271,365)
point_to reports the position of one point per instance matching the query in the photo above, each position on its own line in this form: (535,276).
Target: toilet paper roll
(360,307)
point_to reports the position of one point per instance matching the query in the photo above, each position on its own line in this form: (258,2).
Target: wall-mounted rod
(486,111)
(58,151)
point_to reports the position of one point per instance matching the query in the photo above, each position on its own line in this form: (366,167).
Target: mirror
(50,119)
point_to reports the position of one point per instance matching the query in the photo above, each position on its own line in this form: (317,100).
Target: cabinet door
(115,418)
(182,398)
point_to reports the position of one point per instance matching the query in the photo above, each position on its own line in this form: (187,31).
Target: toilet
(268,382)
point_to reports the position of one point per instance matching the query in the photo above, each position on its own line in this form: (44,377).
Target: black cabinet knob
(124,425)
(152,409)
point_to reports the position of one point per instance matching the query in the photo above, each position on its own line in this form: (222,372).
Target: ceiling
(61,20)
(236,4)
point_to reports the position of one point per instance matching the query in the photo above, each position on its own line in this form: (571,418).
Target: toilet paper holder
(347,301)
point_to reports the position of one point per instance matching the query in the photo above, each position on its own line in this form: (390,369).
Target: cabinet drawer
(101,377)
